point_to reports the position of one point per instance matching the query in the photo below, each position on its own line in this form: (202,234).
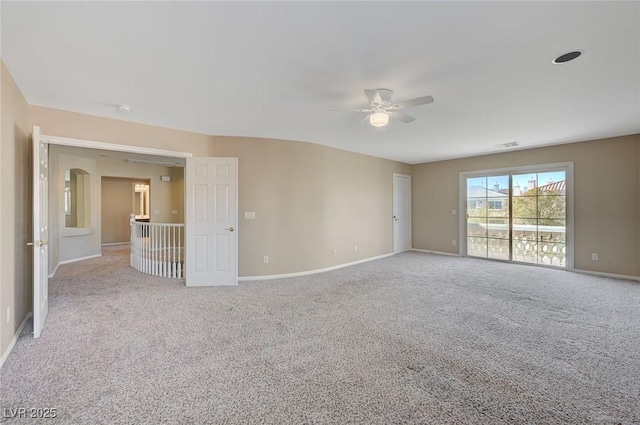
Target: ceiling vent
(507,145)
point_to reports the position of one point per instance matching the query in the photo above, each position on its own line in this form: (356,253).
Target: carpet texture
(412,339)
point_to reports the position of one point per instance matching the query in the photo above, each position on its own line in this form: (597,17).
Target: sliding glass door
(518,216)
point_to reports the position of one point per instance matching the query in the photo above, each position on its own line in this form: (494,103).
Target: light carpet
(412,339)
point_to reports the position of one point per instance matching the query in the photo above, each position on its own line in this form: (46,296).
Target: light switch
(174,212)
(249,215)
(453,212)
(156,212)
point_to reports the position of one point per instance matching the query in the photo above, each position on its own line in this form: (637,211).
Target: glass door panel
(539,218)
(488,217)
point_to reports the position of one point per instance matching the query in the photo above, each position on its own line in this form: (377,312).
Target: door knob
(37,243)
(231,229)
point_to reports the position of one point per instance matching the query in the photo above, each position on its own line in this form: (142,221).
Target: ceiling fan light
(379,119)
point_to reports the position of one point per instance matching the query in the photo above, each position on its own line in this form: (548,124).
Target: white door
(401,213)
(211,221)
(40,232)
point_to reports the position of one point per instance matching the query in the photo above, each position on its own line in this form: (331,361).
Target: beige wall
(309,200)
(15,214)
(161,194)
(177,193)
(607,199)
(55,122)
(116,207)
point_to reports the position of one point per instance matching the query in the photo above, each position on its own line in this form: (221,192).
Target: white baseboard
(73,260)
(6,353)
(53,273)
(115,243)
(310,272)
(613,275)
(428,251)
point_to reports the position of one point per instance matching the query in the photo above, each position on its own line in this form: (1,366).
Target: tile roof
(556,186)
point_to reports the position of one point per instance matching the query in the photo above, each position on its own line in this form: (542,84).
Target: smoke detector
(124,108)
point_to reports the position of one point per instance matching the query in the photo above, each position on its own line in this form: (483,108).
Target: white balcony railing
(157,248)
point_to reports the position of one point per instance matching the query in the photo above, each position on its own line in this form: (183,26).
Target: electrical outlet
(594,257)
(334,252)
(174,212)
(454,242)
(453,212)
(355,248)
(265,259)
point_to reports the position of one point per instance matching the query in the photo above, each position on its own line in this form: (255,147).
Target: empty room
(309,212)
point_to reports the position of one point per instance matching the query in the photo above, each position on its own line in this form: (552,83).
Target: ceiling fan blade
(414,102)
(373,96)
(350,110)
(366,117)
(401,116)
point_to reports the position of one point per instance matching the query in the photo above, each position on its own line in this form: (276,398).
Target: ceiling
(275,69)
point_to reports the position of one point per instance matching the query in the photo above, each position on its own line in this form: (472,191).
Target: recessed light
(124,108)
(567,57)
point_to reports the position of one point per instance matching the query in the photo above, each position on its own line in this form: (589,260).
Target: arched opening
(77,198)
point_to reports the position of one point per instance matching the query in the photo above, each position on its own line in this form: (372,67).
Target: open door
(211,237)
(40,232)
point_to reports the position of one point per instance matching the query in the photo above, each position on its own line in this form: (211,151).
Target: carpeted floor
(414,338)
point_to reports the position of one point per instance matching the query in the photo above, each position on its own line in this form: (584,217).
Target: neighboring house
(479,197)
(560,187)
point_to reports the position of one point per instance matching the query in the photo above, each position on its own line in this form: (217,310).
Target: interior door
(401,213)
(211,222)
(40,232)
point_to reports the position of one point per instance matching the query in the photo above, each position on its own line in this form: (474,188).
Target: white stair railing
(157,248)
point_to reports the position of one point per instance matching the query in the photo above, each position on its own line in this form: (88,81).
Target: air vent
(568,57)
(507,145)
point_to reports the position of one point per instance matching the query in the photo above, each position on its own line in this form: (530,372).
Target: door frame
(462,206)
(91,144)
(393,205)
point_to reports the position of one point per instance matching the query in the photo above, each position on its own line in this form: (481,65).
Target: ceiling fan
(381,110)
